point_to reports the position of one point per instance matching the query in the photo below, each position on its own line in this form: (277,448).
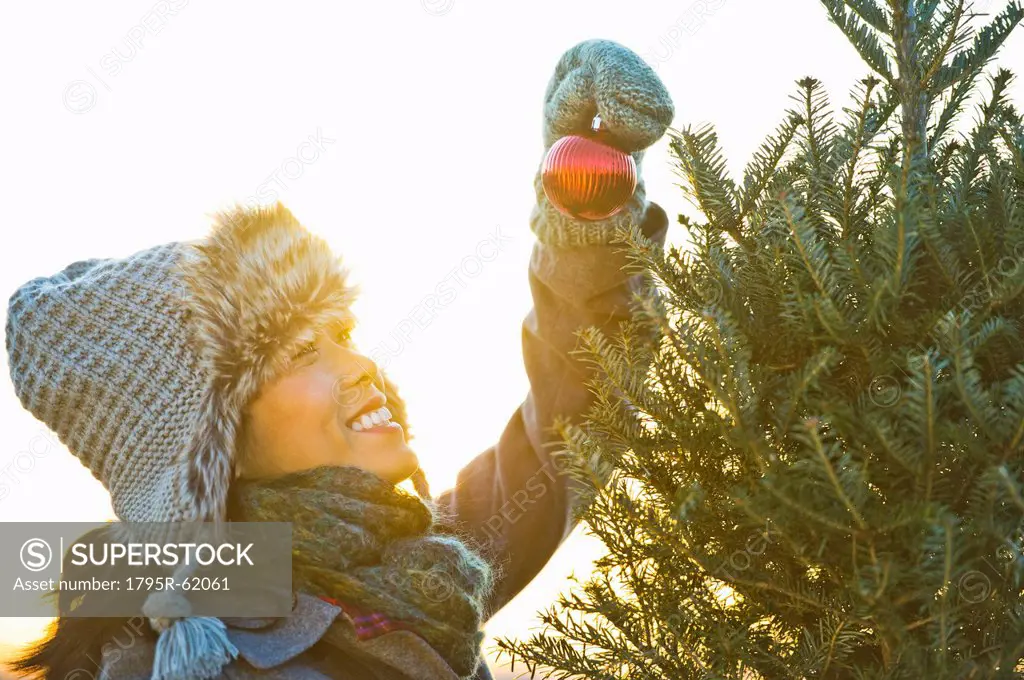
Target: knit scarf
(361,540)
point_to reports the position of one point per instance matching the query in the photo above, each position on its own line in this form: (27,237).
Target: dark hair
(75,643)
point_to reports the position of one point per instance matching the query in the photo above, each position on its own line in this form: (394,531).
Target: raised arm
(512,498)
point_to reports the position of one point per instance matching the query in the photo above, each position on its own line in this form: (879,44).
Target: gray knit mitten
(601,77)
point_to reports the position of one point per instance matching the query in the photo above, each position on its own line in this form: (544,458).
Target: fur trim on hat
(260,286)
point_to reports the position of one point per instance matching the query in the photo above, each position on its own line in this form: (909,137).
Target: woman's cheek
(306,392)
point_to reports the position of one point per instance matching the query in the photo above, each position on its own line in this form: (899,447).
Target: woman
(217,380)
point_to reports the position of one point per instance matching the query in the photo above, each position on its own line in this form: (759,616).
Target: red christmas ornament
(585,178)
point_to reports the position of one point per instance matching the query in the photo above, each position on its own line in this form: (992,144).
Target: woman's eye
(343,334)
(311,347)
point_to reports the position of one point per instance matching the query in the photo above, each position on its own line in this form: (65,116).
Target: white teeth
(372,419)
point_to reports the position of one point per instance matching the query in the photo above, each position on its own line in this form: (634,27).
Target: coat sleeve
(511,499)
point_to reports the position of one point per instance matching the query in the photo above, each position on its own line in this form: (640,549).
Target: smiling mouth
(376,421)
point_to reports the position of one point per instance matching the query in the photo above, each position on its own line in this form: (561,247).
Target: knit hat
(144,365)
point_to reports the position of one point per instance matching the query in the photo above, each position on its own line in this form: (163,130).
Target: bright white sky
(430,116)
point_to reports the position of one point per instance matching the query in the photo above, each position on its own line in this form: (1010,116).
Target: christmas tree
(816,467)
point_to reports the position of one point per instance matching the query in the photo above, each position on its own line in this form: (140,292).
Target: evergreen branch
(860,132)
(812,253)
(923,399)
(968,163)
(986,275)
(926,10)
(953,18)
(1012,487)
(803,380)
(819,128)
(951,33)
(703,167)
(986,43)
(811,427)
(861,37)
(1014,391)
(885,439)
(943,252)
(947,585)
(808,513)
(966,378)
(870,12)
(808,248)
(765,163)
(957,97)
(770,587)
(898,244)
(839,641)
(818,157)
(877,184)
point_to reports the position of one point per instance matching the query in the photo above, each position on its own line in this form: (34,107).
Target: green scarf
(364,541)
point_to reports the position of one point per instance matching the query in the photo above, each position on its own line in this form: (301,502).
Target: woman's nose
(358,378)
(357,366)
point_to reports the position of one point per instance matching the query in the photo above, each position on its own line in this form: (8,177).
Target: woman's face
(306,417)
